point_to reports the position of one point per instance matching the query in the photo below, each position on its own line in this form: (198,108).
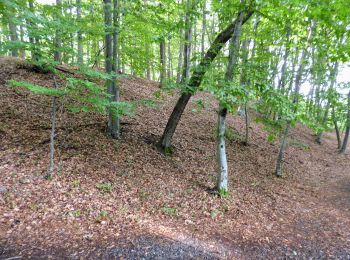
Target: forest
(184,129)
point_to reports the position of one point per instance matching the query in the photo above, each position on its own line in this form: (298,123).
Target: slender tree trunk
(222,177)
(162,62)
(278,170)
(13,36)
(58,41)
(298,79)
(23,52)
(112,124)
(337,132)
(80,35)
(196,79)
(347,131)
(204,28)
(115,120)
(170,66)
(333,76)
(179,63)
(187,45)
(282,80)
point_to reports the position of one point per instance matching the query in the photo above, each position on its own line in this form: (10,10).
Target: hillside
(159,206)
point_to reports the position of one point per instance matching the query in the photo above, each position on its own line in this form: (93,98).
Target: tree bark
(187,45)
(298,78)
(222,179)
(162,62)
(204,28)
(333,76)
(13,36)
(112,124)
(80,57)
(347,131)
(196,79)
(58,41)
(114,120)
(337,132)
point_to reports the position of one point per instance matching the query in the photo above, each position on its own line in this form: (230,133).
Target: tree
(196,79)
(222,179)
(347,131)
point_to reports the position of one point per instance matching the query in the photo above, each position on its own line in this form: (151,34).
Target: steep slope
(304,214)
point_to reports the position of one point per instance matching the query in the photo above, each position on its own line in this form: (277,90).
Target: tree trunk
(196,79)
(337,132)
(282,80)
(298,78)
(58,41)
(347,131)
(222,177)
(114,120)
(162,62)
(170,62)
(179,63)
(278,170)
(13,36)
(187,45)
(204,28)
(333,76)
(23,52)
(112,125)
(79,34)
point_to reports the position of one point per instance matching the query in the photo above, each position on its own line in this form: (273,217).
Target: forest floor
(122,199)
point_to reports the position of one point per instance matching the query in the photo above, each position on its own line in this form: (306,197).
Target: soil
(151,206)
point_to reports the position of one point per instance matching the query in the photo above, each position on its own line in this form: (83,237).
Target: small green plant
(106,187)
(168,211)
(76,183)
(223,193)
(103,215)
(214,213)
(35,207)
(143,195)
(76,213)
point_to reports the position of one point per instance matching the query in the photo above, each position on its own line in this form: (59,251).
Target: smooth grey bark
(109,66)
(187,44)
(80,58)
(170,61)
(204,28)
(162,62)
(23,52)
(179,63)
(58,41)
(333,77)
(115,120)
(337,132)
(244,82)
(297,84)
(222,177)
(53,133)
(196,79)
(282,80)
(347,131)
(13,35)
